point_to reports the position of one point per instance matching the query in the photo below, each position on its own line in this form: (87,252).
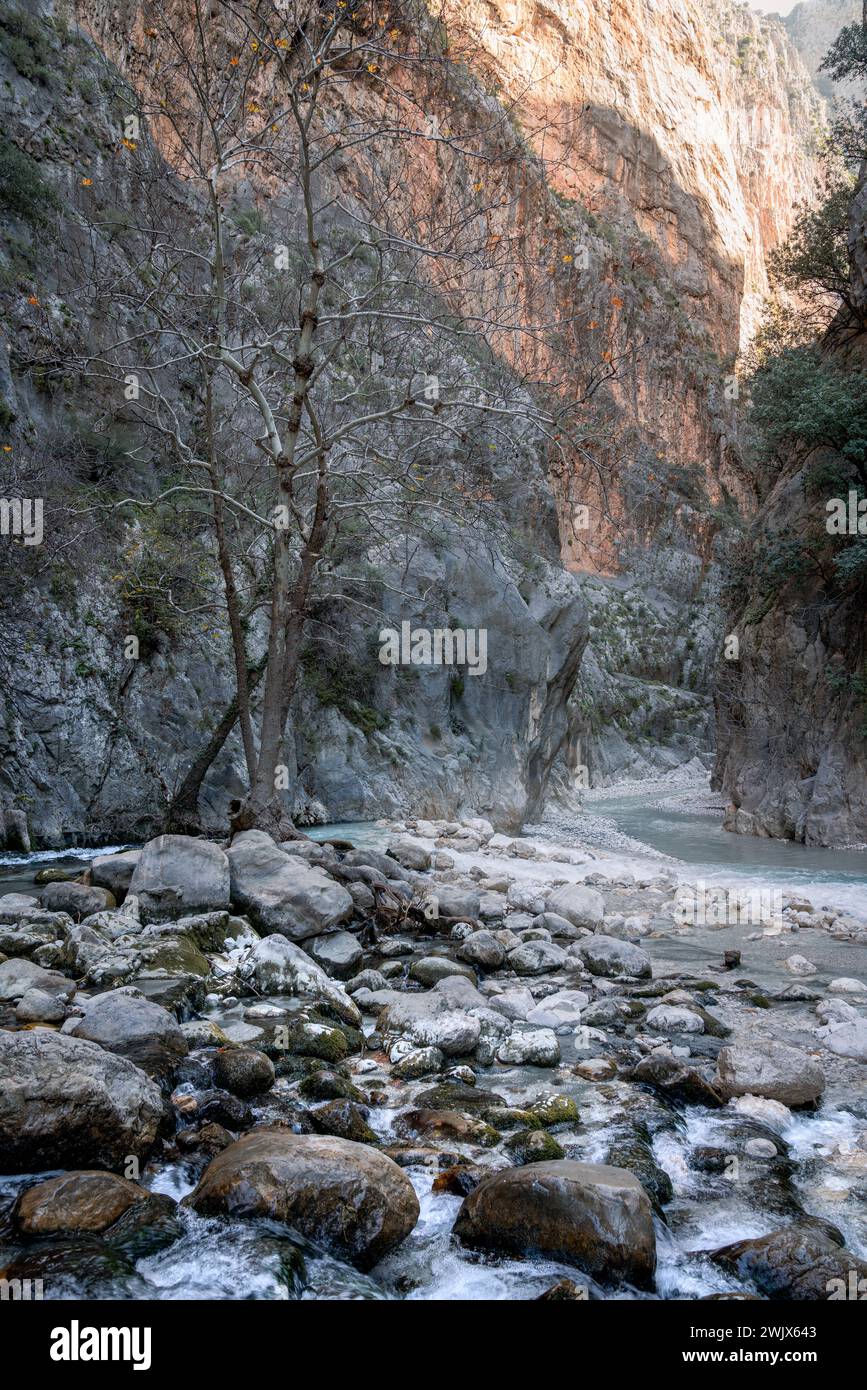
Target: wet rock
(278,966)
(633,1151)
(459,1180)
(534,1047)
(76,899)
(605,955)
(344,1119)
(450,1096)
(580,905)
(243,1071)
(347,1196)
(81,1203)
(439,1018)
(564,1291)
(767,1112)
(482,949)
(367,979)
(537,958)
(770,1069)
(429,970)
(532,1146)
(668,1018)
(799,1263)
(124,1022)
(596,1069)
(177,875)
(68,1103)
(450,1126)
(419,1062)
(329,1085)
(553,1110)
(338,953)
(587,1214)
(281,892)
(671,1078)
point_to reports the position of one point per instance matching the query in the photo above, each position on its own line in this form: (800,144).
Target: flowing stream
(222,1258)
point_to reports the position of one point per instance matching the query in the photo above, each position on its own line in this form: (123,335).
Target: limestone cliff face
(695,118)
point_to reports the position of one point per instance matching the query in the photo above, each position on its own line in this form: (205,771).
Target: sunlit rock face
(695,117)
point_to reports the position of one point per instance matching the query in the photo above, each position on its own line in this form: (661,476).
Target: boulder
(68,1103)
(278,966)
(587,1214)
(770,1069)
(347,1196)
(243,1071)
(514,1004)
(115,871)
(454,901)
(429,970)
(338,952)
(671,1078)
(77,899)
(281,892)
(482,949)
(124,1022)
(388,865)
(534,1046)
(537,958)
(846,1039)
(410,854)
(37,1006)
(177,875)
(670,1018)
(559,1010)
(606,955)
(580,905)
(431,1020)
(798,1263)
(80,1203)
(18,976)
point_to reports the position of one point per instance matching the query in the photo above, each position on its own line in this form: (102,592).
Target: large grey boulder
(454,901)
(769,1069)
(482,949)
(177,875)
(123,1021)
(281,892)
(277,966)
(587,1214)
(580,905)
(607,955)
(560,1010)
(115,871)
(67,1103)
(386,864)
(345,1195)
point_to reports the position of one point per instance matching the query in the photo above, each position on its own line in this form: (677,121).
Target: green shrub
(23,191)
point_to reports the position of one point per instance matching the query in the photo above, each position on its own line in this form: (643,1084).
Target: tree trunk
(182,816)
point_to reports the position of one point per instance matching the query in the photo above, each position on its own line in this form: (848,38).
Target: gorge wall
(655,155)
